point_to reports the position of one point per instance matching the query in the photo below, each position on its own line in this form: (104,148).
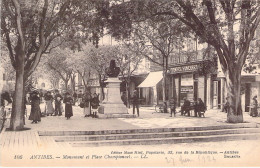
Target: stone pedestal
(112,103)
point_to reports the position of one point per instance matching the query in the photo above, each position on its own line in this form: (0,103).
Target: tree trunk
(73,83)
(17,122)
(233,80)
(66,85)
(164,86)
(128,94)
(102,88)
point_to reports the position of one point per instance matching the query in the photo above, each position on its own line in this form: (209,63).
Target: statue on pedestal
(112,70)
(112,106)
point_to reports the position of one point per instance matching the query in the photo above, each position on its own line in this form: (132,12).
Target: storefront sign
(186,89)
(187,80)
(188,68)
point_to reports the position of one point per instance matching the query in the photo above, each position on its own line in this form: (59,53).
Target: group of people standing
(90,104)
(49,110)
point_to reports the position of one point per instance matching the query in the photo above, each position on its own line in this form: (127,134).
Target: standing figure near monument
(80,96)
(35,115)
(75,96)
(94,105)
(135,100)
(172,104)
(124,98)
(86,104)
(68,105)
(58,98)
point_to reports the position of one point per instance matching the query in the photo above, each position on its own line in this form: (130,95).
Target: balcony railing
(186,57)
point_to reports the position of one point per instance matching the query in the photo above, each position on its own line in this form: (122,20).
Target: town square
(104,83)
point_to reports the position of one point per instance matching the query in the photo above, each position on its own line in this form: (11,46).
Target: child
(94,104)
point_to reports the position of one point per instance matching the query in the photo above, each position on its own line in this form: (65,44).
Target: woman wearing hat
(68,105)
(35,115)
(48,100)
(86,104)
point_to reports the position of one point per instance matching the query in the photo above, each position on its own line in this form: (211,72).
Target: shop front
(149,89)
(185,82)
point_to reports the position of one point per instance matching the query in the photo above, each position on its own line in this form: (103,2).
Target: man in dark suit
(58,98)
(135,99)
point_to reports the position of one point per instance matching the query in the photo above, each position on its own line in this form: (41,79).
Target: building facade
(192,73)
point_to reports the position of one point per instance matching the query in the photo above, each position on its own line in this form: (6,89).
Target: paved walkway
(28,144)
(148,119)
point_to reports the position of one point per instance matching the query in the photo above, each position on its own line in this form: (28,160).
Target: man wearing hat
(135,99)
(58,98)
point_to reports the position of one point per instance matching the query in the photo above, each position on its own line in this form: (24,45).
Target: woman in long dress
(35,115)
(86,100)
(68,105)
(49,106)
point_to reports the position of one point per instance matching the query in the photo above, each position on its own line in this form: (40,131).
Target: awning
(152,79)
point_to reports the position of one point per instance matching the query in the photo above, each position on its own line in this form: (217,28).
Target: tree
(128,62)
(158,39)
(29,29)
(59,62)
(229,26)
(98,60)
(82,67)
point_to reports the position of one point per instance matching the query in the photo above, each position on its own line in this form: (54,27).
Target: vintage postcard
(128,83)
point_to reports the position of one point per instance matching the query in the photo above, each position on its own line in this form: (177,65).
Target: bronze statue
(112,70)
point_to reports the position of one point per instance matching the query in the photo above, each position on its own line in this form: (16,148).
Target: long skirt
(49,107)
(35,113)
(87,110)
(68,110)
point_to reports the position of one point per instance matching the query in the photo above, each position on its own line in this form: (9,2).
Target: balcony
(190,57)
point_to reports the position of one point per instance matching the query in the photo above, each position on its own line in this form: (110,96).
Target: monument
(112,106)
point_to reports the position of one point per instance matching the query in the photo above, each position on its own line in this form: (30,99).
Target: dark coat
(95,102)
(201,106)
(254,111)
(186,105)
(135,98)
(86,100)
(56,98)
(68,106)
(75,95)
(35,108)
(48,97)
(124,99)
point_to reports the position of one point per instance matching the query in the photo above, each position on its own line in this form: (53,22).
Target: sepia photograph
(130,83)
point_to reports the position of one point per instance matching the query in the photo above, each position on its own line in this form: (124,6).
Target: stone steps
(154,135)
(147,130)
(172,140)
